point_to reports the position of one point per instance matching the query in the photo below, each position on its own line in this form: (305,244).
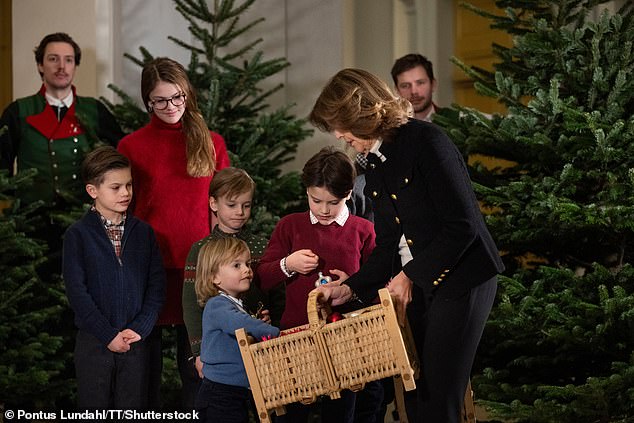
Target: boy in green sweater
(230,197)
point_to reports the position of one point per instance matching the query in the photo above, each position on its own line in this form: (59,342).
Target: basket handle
(317,313)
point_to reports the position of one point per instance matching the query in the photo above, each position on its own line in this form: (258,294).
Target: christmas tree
(32,359)
(559,344)
(227,79)
(227,76)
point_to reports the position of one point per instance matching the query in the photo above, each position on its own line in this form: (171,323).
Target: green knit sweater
(192,312)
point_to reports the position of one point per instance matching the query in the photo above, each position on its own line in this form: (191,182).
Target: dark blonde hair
(201,155)
(331,169)
(212,255)
(231,182)
(357,101)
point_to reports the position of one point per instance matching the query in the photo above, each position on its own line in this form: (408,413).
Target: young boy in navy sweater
(115,284)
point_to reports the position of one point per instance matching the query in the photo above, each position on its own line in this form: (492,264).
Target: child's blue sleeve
(222,315)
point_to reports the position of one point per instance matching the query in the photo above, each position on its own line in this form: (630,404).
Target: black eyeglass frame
(166,101)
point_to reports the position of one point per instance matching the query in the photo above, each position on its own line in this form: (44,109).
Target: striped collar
(234,300)
(375,150)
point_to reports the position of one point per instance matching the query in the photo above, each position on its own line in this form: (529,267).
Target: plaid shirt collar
(362,158)
(341,218)
(114,230)
(109,223)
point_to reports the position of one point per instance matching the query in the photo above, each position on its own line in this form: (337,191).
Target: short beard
(426,105)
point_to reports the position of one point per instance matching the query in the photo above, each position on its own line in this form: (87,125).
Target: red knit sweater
(175,204)
(338,247)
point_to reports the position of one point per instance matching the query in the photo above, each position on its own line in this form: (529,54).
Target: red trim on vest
(46,122)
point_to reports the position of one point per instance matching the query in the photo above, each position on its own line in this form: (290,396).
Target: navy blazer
(423,191)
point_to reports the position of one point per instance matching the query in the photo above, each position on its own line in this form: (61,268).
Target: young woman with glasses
(174,158)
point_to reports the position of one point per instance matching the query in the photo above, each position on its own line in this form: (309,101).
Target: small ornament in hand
(322,280)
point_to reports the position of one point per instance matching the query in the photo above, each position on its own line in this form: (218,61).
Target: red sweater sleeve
(222,157)
(269,271)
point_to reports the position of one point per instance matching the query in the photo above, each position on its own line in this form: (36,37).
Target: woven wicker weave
(366,347)
(322,359)
(291,369)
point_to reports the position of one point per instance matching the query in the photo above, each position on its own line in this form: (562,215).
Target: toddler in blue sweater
(115,284)
(223,274)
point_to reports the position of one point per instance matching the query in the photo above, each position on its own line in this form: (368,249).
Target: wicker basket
(322,359)
(366,346)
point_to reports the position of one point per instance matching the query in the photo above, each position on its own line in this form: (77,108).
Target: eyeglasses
(176,100)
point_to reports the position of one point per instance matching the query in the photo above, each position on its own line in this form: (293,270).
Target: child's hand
(342,276)
(264,315)
(199,367)
(130,336)
(118,344)
(302,261)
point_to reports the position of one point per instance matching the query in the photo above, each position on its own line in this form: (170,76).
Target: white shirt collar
(234,299)
(375,150)
(430,114)
(341,218)
(56,102)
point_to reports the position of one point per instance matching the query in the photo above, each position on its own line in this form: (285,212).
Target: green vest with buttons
(55,149)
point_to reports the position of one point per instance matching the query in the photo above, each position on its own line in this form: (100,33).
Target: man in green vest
(52,130)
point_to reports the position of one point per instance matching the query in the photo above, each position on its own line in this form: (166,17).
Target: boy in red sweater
(324,241)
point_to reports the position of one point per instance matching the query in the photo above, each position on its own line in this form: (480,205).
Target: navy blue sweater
(106,295)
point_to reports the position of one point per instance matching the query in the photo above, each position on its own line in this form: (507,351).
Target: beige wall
(318,37)
(32,20)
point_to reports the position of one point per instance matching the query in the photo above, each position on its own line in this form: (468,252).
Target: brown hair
(201,155)
(99,161)
(231,182)
(212,255)
(331,169)
(410,61)
(57,37)
(357,101)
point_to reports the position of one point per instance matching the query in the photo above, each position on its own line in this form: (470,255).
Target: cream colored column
(34,19)
(108,55)
(434,39)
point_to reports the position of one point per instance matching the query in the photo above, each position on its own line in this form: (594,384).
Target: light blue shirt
(219,352)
